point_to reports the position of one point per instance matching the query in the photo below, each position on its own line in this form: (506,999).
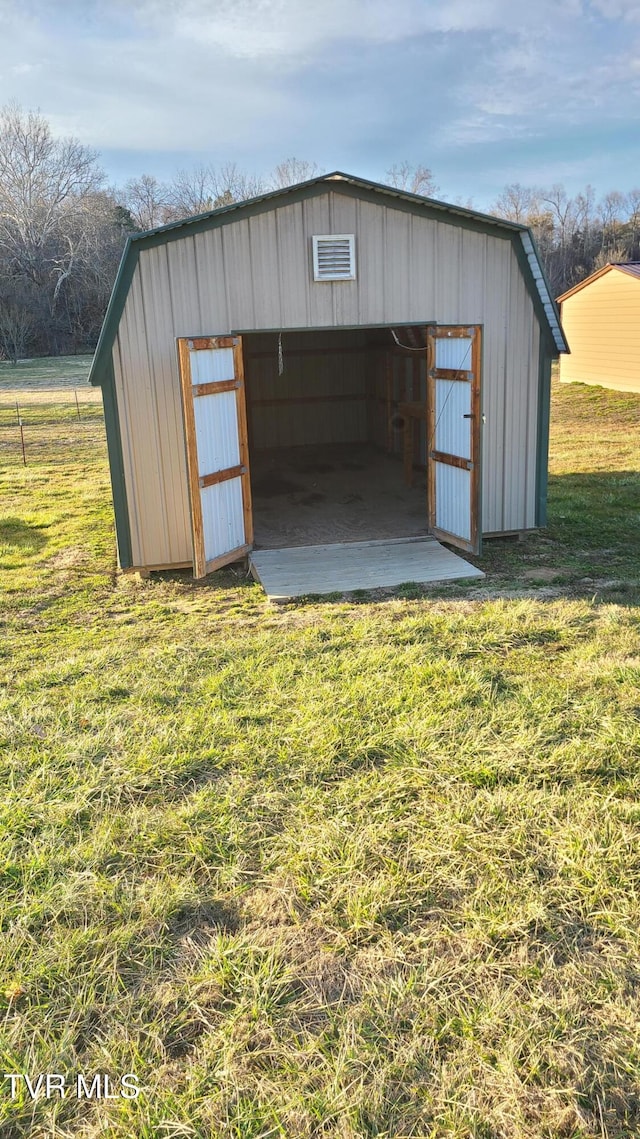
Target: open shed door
(215,422)
(453,435)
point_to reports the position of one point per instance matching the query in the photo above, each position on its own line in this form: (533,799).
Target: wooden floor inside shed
(345,566)
(311,496)
(337,518)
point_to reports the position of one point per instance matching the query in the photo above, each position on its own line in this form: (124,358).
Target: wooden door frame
(451,332)
(185,345)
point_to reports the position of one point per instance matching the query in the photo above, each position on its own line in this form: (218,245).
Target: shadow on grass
(21,537)
(600,508)
(590,547)
(591,543)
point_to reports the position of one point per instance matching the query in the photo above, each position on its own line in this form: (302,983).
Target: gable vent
(334,257)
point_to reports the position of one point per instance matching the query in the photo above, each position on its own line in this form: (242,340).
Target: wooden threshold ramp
(344,566)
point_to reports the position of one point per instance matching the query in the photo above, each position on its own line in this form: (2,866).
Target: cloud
(24,68)
(359,84)
(264,29)
(628,10)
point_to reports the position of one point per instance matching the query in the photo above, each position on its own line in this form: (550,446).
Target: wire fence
(34,423)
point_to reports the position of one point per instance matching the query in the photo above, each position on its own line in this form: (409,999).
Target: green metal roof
(173,231)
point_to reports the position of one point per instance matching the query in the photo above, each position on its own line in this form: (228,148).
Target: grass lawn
(53,372)
(369,867)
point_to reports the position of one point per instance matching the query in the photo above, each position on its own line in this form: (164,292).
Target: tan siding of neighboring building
(602,324)
(256,274)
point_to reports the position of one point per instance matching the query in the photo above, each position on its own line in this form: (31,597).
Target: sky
(483,92)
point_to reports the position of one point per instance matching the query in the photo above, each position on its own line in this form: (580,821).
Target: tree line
(575,235)
(63,228)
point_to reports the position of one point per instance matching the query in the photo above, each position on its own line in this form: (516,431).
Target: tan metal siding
(515,392)
(148,392)
(264,278)
(237,269)
(602,324)
(346,301)
(137,397)
(256,273)
(163,368)
(293,266)
(495,344)
(370,262)
(532,380)
(185,296)
(396,282)
(211,281)
(127,431)
(317,219)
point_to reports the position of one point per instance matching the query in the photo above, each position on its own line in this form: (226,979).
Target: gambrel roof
(522,238)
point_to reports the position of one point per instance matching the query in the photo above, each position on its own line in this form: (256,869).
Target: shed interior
(327,438)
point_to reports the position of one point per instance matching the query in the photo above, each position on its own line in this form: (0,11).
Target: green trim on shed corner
(544,418)
(481,447)
(532,288)
(337,182)
(548,352)
(554,303)
(102,361)
(116,468)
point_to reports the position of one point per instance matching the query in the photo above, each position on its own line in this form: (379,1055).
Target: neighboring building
(337,313)
(601,320)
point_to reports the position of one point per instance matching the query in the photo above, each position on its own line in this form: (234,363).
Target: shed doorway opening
(331,437)
(332,456)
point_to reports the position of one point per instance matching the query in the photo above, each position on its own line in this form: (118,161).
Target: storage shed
(601,319)
(336,362)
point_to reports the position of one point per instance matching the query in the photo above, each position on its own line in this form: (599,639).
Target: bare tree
(43,185)
(613,254)
(585,219)
(206,188)
(414,179)
(291,171)
(85,293)
(16,325)
(147,200)
(515,203)
(611,210)
(574,234)
(541,222)
(59,232)
(233,185)
(192,192)
(559,239)
(633,214)
(563,210)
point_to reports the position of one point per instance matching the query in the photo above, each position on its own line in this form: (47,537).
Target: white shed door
(215,421)
(454,423)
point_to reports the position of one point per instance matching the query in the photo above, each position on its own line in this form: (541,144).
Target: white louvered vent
(334,257)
